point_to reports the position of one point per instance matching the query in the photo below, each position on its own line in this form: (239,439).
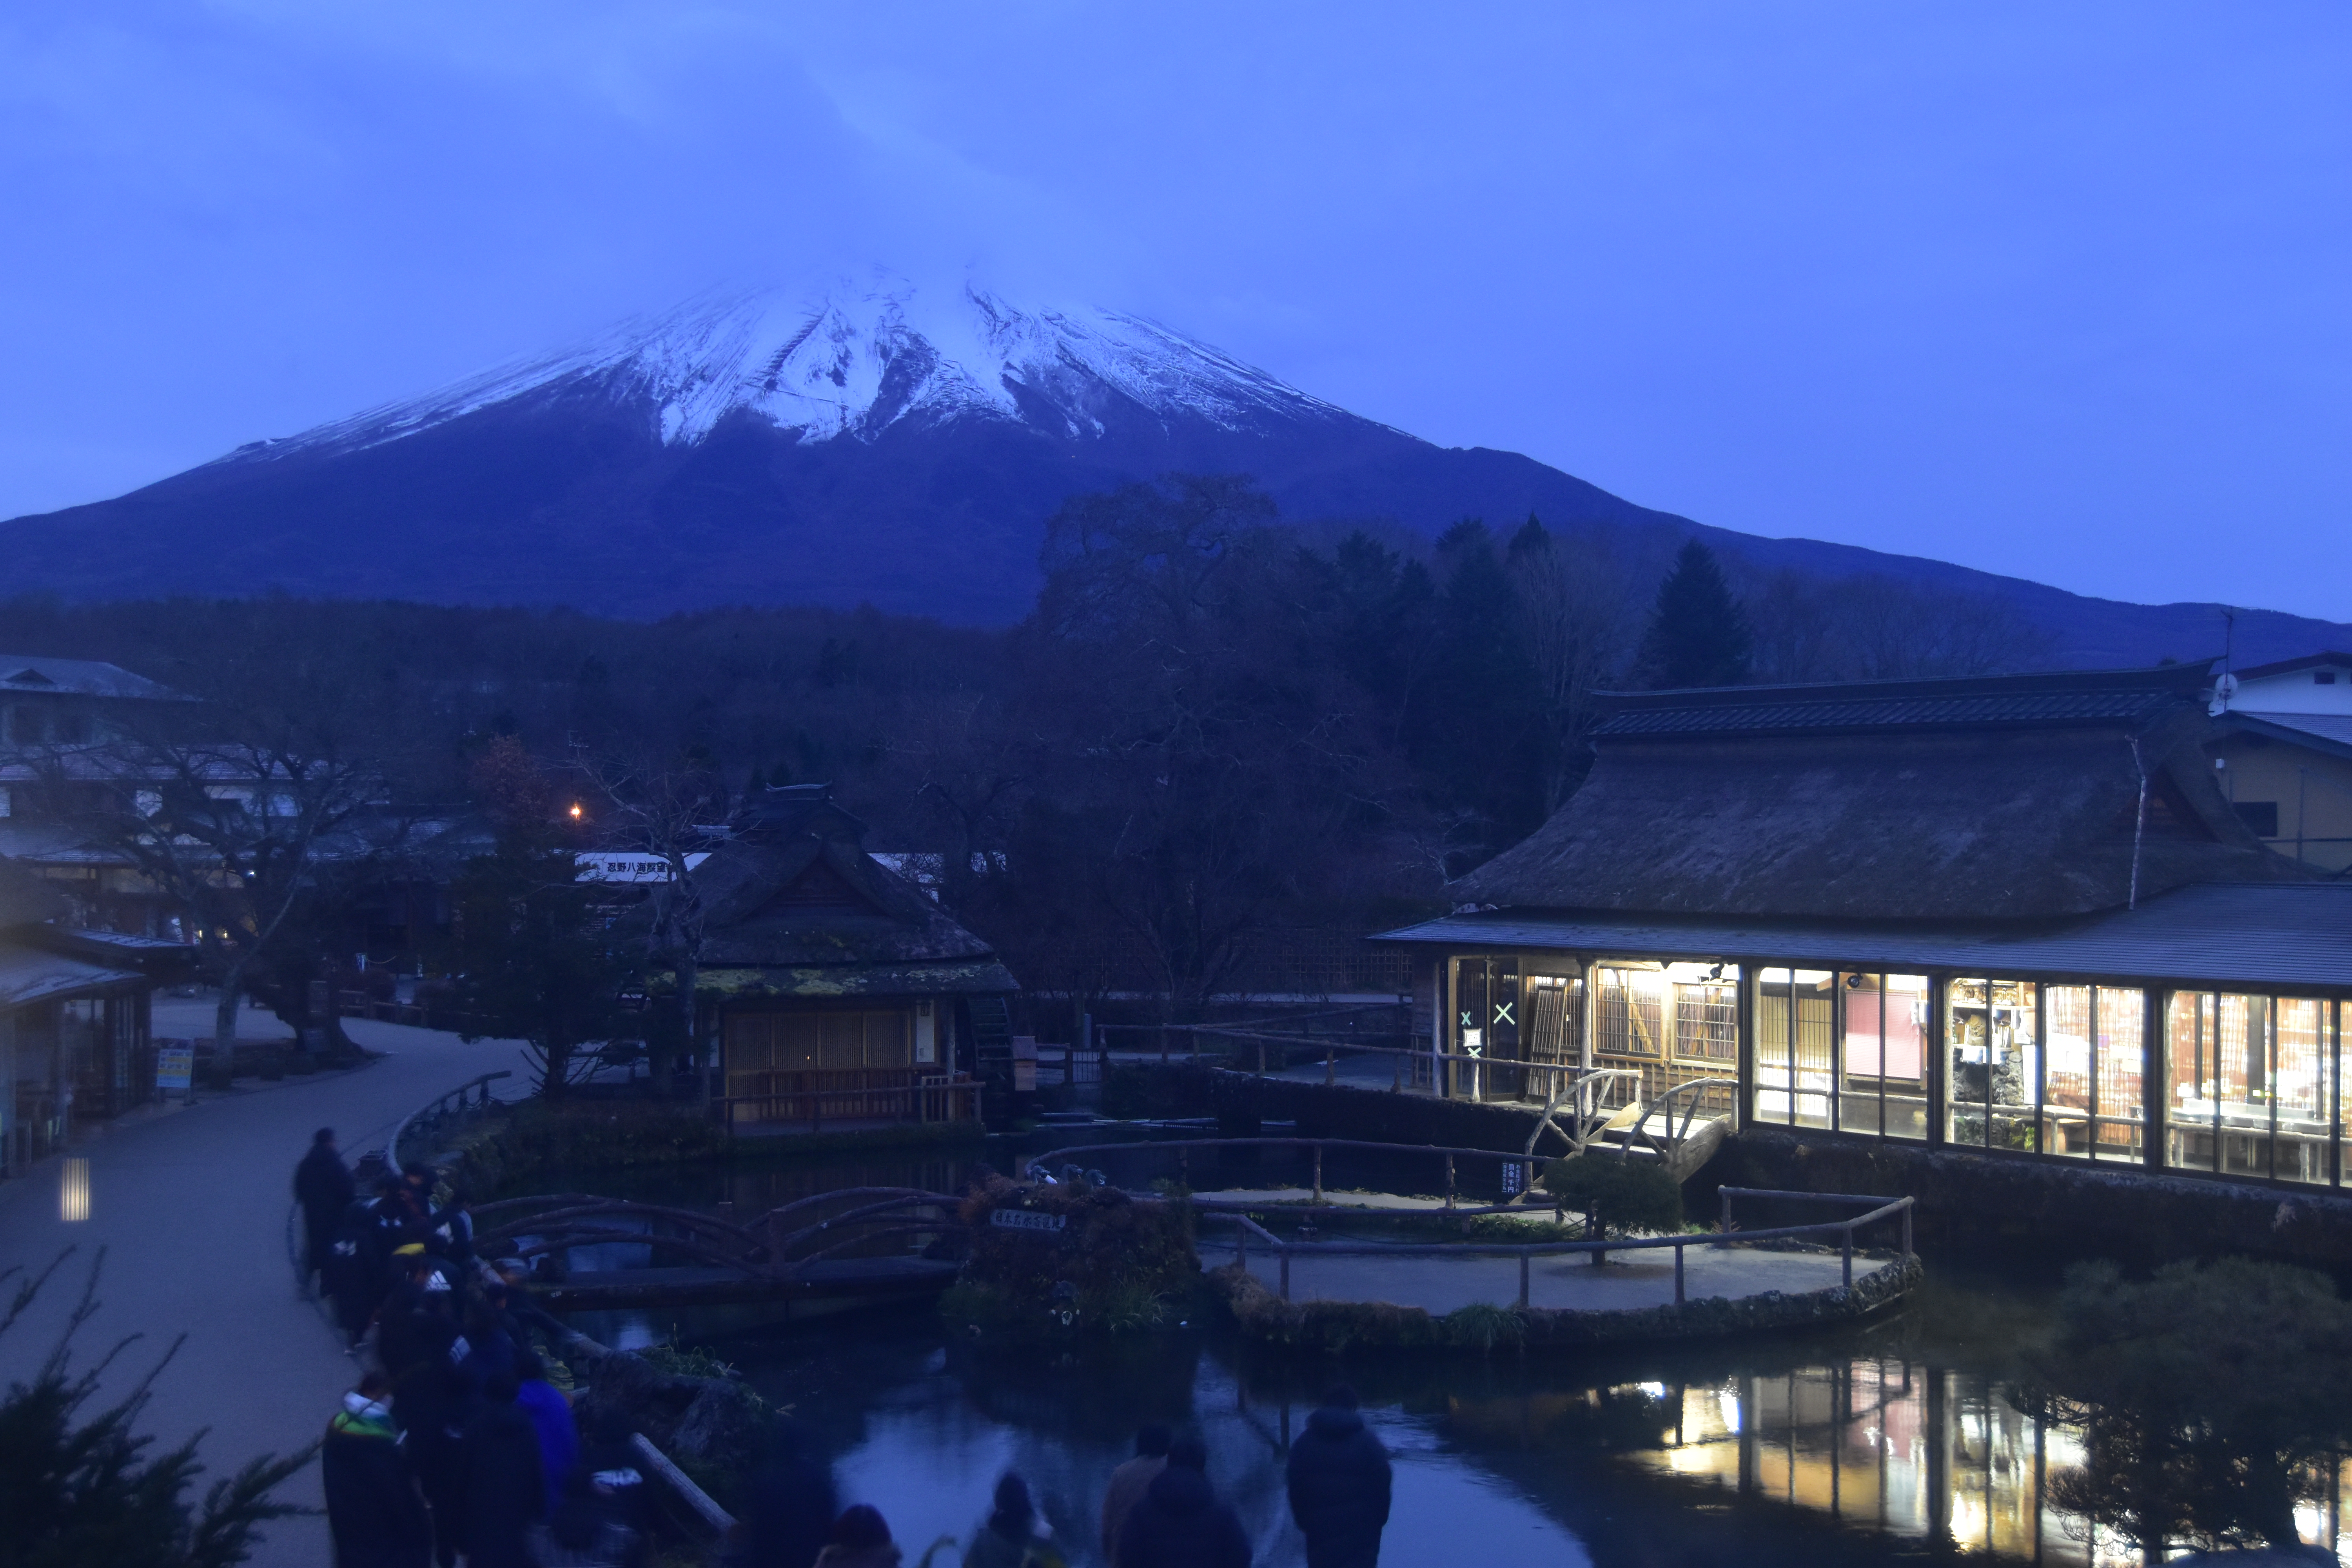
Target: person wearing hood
(1013,1535)
(504,1494)
(1128,1483)
(1180,1522)
(792,1502)
(860,1539)
(323,1186)
(373,1513)
(1339,1485)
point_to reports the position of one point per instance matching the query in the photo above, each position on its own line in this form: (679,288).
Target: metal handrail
(1183,1145)
(1524,1252)
(432,1107)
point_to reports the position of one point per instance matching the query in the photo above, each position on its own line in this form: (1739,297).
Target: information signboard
(175,1067)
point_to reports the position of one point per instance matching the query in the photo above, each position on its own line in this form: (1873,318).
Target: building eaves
(2230,934)
(2328,732)
(2289,666)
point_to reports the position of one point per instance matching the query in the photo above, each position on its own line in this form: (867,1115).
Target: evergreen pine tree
(1697,633)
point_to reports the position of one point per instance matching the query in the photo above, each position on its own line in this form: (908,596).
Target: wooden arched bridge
(856,1246)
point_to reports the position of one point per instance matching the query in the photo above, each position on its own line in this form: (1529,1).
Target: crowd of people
(1159,1510)
(455,1444)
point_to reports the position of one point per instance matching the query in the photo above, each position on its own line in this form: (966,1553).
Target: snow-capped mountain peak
(851,360)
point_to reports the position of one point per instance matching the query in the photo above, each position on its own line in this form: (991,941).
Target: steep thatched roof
(796,897)
(1997,797)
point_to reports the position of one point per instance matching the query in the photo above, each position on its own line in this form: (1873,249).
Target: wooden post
(1907,1231)
(1449,1181)
(1318,1175)
(1678,1274)
(1726,1226)
(1328,1067)
(1523,1279)
(1848,1258)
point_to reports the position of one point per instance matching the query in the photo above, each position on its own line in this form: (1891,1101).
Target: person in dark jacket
(355,1272)
(1339,1485)
(323,1186)
(373,1513)
(793,1503)
(504,1493)
(1180,1522)
(1013,1535)
(432,1404)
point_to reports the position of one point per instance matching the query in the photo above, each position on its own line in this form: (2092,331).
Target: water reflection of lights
(1913,1451)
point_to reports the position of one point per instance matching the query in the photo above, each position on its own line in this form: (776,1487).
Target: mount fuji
(862,442)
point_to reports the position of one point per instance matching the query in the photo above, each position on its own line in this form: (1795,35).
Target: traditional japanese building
(842,991)
(74,1014)
(2011,914)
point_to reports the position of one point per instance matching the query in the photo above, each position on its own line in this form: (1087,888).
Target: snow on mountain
(851,360)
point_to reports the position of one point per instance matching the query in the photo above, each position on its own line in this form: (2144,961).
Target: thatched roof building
(1993,798)
(844,993)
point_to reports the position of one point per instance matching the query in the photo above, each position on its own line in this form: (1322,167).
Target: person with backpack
(374,1515)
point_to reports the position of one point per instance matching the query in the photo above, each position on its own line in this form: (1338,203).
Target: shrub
(1481,1326)
(1622,1196)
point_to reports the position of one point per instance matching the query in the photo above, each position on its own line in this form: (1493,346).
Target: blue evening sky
(2062,291)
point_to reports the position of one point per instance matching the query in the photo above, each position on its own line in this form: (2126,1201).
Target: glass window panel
(1631,1020)
(2066,1071)
(2191,1071)
(1905,1055)
(2243,1120)
(1968,1040)
(2302,1090)
(1773,1003)
(1862,1003)
(1814,1032)
(2015,1066)
(1706,1022)
(2121,1125)
(1554,1024)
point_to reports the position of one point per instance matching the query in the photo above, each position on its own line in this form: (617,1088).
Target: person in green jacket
(1014,1535)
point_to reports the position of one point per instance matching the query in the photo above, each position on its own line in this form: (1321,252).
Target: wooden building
(74,1025)
(840,992)
(2015,915)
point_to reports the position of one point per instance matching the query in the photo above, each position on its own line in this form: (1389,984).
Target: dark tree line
(1212,726)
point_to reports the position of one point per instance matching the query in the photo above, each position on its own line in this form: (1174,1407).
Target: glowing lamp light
(576,812)
(73,1191)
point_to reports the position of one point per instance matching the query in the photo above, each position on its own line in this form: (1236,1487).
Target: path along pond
(1901,1438)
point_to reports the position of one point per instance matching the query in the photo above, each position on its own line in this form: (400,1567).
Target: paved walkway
(190,1204)
(1639,1278)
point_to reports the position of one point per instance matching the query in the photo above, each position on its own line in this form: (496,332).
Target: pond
(1897,1439)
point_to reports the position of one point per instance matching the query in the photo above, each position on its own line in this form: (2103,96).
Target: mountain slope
(862,443)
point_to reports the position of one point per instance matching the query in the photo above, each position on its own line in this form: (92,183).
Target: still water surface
(1892,1441)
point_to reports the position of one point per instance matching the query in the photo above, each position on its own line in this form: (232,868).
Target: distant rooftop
(80,677)
(2063,700)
